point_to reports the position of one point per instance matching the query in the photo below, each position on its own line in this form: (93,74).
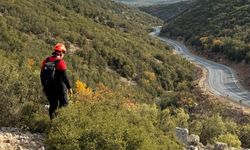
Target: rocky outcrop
(182,135)
(16,139)
(220,146)
(192,142)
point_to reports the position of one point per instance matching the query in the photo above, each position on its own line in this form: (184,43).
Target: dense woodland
(130,91)
(217,26)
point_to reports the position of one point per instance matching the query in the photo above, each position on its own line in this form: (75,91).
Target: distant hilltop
(148,2)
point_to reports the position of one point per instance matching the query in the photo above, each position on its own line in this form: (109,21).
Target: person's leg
(53,102)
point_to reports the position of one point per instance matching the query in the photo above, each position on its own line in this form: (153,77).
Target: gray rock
(191,147)
(220,146)
(182,135)
(193,139)
(42,148)
(3,129)
(200,146)
(19,148)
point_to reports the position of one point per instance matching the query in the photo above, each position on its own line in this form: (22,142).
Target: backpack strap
(47,59)
(57,61)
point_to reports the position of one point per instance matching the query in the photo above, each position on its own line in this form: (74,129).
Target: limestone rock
(191,147)
(220,146)
(193,139)
(182,135)
(15,139)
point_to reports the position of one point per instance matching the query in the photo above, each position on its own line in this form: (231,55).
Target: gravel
(16,139)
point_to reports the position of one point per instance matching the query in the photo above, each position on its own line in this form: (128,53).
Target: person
(57,89)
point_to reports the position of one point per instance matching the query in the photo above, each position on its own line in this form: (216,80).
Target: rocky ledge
(16,139)
(192,142)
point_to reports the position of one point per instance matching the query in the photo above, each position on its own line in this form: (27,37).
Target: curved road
(221,79)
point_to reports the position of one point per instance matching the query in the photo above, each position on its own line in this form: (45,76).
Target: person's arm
(62,68)
(67,83)
(66,79)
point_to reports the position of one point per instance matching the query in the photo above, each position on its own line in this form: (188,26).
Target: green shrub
(195,127)
(103,126)
(33,117)
(172,118)
(212,127)
(244,135)
(230,139)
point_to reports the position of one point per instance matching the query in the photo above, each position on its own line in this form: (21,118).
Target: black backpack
(48,72)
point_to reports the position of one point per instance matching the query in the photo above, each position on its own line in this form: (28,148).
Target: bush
(195,127)
(244,135)
(230,139)
(212,127)
(33,117)
(106,125)
(170,119)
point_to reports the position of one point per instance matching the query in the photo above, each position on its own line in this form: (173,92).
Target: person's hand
(70,92)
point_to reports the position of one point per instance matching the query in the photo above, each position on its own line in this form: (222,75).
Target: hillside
(218,26)
(148,2)
(130,90)
(111,60)
(220,31)
(168,11)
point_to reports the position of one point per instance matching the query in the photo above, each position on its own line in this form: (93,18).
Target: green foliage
(195,127)
(177,99)
(28,33)
(170,119)
(212,127)
(106,125)
(230,139)
(93,43)
(244,135)
(33,118)
(18,87)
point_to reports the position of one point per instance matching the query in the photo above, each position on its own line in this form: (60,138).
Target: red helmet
(59,47)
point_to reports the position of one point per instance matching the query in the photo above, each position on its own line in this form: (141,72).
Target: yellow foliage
(82,89)
(217,42)
(150,75)
(30,63)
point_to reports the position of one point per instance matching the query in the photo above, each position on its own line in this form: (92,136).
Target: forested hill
(106,41)
(167,12)
(218,26)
